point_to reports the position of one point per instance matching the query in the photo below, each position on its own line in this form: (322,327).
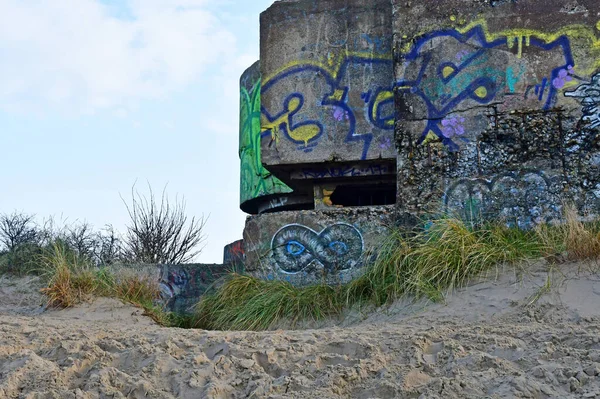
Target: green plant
(247,303)
(70,280)
(444,257)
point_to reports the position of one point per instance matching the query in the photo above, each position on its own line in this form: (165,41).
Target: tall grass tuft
(443,257)
(247,303)
(426,264)
(581,242)
(70,279)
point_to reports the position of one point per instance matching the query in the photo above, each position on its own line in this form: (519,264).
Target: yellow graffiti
(331,63)
(337,95)
(431,137)
(481,92)
(381,97)
(448,70)
(302,133)
(584,37)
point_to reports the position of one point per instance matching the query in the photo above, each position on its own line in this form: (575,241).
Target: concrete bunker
(371,113)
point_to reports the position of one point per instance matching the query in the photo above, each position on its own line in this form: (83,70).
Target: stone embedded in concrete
(327,88)
(497,116)
(307,247)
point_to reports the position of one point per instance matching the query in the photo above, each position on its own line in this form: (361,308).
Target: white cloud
(79,55)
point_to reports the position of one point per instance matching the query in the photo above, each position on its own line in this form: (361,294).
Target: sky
(99,95)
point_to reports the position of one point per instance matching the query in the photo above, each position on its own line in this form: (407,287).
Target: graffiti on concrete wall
(233,254)
(470,72)
(347,96)
(297,248)
(181,286)
(589,96)
(521,199)
(343,171)
(255,180)
(173,283)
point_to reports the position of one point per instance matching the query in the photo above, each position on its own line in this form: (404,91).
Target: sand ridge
(489,340)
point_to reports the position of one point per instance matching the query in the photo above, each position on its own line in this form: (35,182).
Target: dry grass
(445,256)
(71,280)
(581,242)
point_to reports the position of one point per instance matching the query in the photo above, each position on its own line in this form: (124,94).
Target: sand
(490,340)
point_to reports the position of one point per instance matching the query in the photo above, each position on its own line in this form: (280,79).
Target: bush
(161,233)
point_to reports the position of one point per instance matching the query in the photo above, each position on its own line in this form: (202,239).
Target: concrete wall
(312,246)
(498,107)
(182,286)
(483,109)
(327,85)
(259,190)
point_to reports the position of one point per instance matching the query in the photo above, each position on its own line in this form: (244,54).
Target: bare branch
(17,229)
(160,232)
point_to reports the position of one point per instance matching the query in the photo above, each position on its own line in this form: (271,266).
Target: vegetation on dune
(157,232)
(78,263)
(440,256)
(70,280)
(248,303)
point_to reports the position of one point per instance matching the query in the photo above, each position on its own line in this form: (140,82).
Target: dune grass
(247,303)
(427,263)
(71,280)
(441,256)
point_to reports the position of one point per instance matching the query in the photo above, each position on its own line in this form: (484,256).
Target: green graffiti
(255,180)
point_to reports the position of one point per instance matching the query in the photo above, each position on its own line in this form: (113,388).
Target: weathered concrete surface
(327,89)
(498,107)
(182,286)
(234,256)
(259,190)
(307,247)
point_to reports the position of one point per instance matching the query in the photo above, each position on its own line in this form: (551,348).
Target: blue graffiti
(443,84)
(363,111)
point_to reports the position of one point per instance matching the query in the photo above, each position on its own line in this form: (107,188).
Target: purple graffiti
(453,126)
(564,76)
(340,114)
(385,143)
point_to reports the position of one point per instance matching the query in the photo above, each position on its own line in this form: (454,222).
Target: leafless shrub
(109,246)
(160,232)
(81,238)
(17,229)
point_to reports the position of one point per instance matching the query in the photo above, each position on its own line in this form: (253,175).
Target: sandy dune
(488,340)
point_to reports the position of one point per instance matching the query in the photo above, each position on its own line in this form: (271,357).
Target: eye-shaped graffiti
(589,96)
(471,70)
(330,100)
(295,248)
